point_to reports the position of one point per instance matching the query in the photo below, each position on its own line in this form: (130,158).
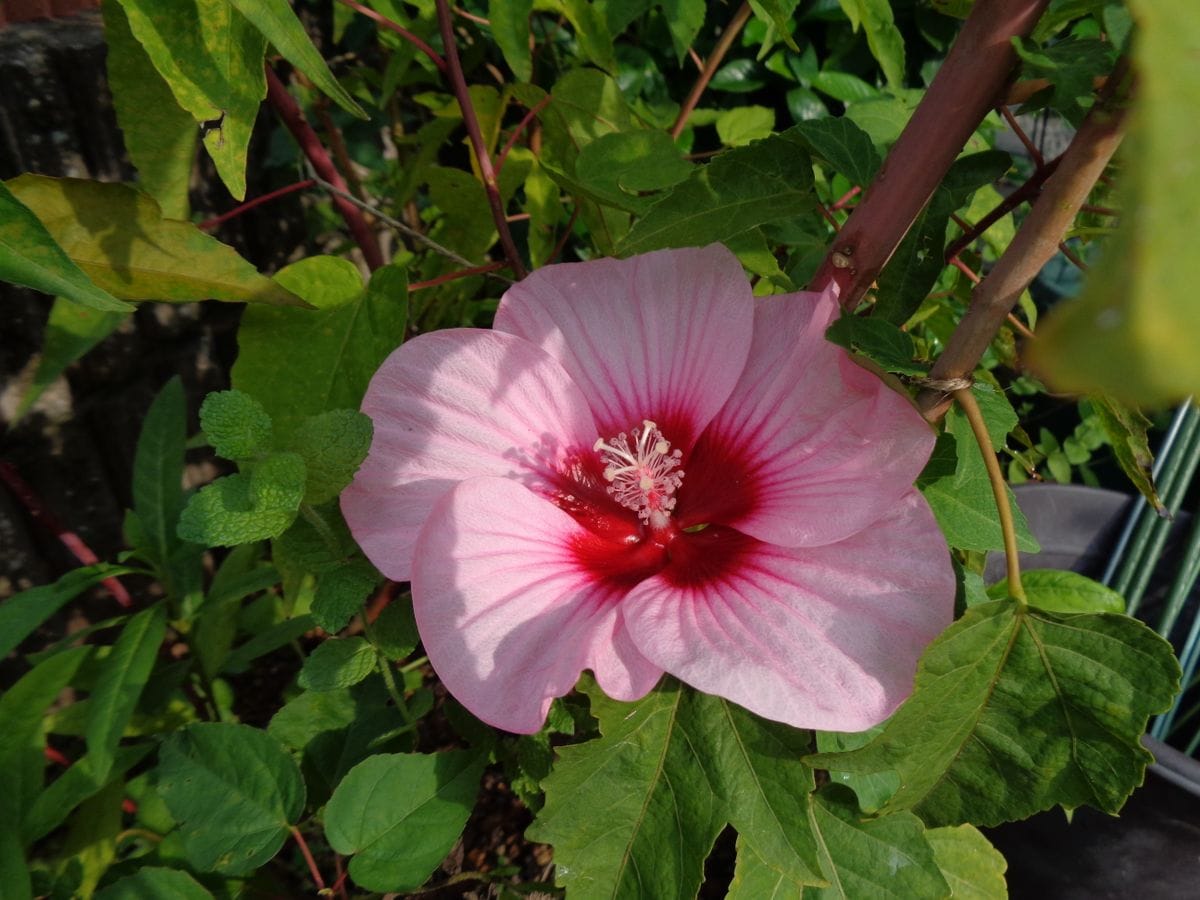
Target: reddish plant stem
(962,92)
(521,126)
(566,236)
(293,118)
(341,154)
(461,273)
(40,513)
(1072,257)
(56,756)
(841,202)
(403,32)
(1030,147)
(209,224)
(458,83)
(308,858)
(471,17)
(1036,241)
(828,216)
(1028,191)
(728,36)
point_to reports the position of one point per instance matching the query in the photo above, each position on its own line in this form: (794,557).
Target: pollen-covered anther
(642,471)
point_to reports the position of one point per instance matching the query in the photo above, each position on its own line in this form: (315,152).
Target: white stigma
(642,471)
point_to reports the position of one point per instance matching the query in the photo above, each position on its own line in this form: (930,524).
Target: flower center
(642,472)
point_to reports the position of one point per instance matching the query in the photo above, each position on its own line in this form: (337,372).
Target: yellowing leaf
(120,239)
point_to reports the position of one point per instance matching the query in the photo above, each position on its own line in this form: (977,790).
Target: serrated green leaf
(958,490)
(71,331)
(118,236)
(591,29)
(741,189)
(845,146)
(1131,332)
(779,14)
(162,146)
(1016,710)
(635,812)
(844,86)
(21,613)
(394,633)
(279,25)
(972,867)
(234,790)
(873,789)
(1126,428)
(884,39)
(862,856)
(238,509)
(883,118)
(155,883)
(337,663)
(510,30)
(333,445)
(30,256)
(998,413)
(341,592)
(878,340)
(235,424)
(346,337)
(212,58)
(400,814)
(1056,590)
(684,20)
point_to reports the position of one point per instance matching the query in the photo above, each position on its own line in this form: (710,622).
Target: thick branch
(314,151)
(458,83)
(964,90)
(1035,243)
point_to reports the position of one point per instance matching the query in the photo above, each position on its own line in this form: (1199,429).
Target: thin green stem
(317,521)
(385,669)
(970,408)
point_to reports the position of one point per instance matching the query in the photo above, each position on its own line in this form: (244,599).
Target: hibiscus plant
(626,460)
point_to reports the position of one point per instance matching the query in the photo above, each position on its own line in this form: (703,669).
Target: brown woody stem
(728,36)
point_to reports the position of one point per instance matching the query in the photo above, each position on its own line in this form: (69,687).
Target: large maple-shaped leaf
(1017,709)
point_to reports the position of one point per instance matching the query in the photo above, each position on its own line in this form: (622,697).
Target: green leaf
(914,268)
(337,663)
(846,147)
(741,189)
(615,168)
(158,497)
(956,485)
(400,814)
(14,868)
(333,445)
(1130,333)
(510,30)
(886,856)
(880,341)
(635,812)
(124,675)
(235,424)
(1016,710)
(21,613)
(741,125)
(234,790)
(345,339)
(844,86)
(272,638)
(212,58)
(998,412)
(22,740)
(52,806)
(118,236)
(162,146)
(684,20)
(1126,428)
(29,256)
(394,633)
(779,14)
(873,789)
(155,883)
(972,867)
(884,39)
(591,29)
(279,25)
(238,509)
(71,331)
(341,592)
(91,836)
(1055,590)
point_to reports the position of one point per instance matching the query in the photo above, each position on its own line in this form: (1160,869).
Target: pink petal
(810,448)
(508,616)
(662,336)
(451,405)
(821,637)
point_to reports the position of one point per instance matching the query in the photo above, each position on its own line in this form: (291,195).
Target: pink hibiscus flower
(642,469)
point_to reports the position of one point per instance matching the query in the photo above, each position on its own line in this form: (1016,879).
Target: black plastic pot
(1152,850)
